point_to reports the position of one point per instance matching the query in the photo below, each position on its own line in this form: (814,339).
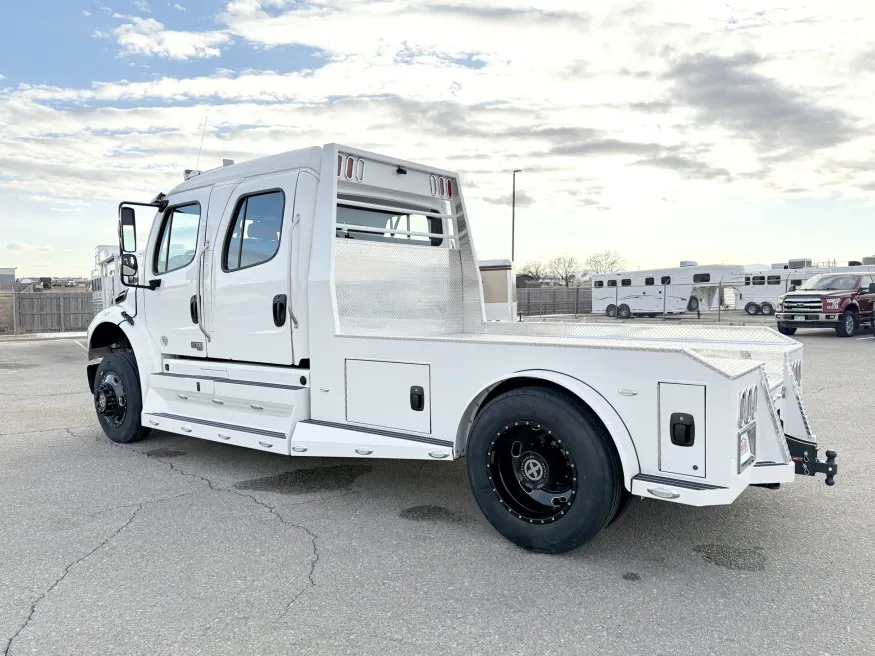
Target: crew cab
(843,301)
(328,302)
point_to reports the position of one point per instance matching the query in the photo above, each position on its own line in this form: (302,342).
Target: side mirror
(129,265)
(792,288)
(128,229)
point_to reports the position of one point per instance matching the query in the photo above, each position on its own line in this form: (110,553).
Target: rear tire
(693,304)
(611,311)
(787,330)
(768,309)
(624,312)
(752,309)
(577,452)
(118,399)
(847,324)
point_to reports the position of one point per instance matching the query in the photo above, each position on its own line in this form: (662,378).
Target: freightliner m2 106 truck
(327,302)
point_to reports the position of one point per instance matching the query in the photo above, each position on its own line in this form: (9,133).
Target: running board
(218,424)
(313,437)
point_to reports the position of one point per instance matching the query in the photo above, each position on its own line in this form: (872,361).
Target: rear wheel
(611,311)
(846,325)
(752,309)
(767,309)
(543,470)
(693,304)
(624,312)
(117,398)
(787,330)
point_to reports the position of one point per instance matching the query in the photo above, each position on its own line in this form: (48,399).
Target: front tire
(543,470)
(118,398)
(847,324)
(787,330)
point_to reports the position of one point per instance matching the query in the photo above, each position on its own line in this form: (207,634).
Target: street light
(513,215)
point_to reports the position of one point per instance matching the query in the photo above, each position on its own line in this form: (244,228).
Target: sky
(720,132)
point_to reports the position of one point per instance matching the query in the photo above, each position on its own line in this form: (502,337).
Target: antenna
(202,143)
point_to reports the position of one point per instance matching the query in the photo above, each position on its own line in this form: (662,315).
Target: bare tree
(565,268)
(535,270)
(604,262)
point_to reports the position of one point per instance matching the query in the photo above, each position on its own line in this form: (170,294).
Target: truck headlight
(832,303)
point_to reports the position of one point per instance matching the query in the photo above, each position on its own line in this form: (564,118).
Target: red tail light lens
(350,164)
(441,187)
(449,188)
(339,165)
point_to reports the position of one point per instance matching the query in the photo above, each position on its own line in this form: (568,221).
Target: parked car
(841,301)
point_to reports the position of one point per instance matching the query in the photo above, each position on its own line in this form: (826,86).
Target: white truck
(327,302)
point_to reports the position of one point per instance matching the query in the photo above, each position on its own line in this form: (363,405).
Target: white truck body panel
(376,307)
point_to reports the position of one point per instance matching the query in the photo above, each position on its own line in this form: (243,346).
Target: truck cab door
(250,276)
(174,258)
(866,299)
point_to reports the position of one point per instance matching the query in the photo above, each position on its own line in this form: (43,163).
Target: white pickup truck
(327,302)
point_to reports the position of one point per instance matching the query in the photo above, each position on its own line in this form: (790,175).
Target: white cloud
(146,36)
(97,34)
(178,7)
(2,77)
(607,112)
(141,5)
(86,13)
(18,246)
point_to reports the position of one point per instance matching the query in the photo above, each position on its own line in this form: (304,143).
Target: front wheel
(846,325)
(117,398)
(787,330)
(543,470)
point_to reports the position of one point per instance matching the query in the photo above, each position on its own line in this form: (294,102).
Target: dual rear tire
(543,469)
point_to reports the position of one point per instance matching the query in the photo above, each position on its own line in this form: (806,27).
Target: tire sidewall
(597,495)
(130,429)
(767,309)
(752,306)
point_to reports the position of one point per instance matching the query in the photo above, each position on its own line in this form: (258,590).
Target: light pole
(513,215)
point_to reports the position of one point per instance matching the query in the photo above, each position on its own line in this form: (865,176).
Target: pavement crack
(33,606)
(314,558)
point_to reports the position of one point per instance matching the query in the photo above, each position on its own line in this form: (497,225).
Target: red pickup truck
(844,301)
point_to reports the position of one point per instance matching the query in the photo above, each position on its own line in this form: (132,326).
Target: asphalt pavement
(179,546)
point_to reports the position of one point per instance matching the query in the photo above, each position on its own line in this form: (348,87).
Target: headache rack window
(370,222)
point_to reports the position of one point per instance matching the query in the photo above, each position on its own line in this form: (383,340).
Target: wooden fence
(47,312)
(533,301)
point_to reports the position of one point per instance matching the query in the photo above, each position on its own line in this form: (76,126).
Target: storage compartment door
(392,395)
(682,429)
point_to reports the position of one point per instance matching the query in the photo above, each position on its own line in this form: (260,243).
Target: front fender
(598,404)
(148,357)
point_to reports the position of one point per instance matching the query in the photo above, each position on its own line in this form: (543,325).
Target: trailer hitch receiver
(804,455)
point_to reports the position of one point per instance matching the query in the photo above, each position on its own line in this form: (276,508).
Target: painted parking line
(81,345)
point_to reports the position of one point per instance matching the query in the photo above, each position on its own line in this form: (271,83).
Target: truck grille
(803,304)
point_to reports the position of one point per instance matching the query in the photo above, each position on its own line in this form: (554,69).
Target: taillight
(339,165)
(350,164)
(441,187)
(449,188)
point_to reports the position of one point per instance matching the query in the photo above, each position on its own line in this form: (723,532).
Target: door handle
(279,310)
(197,296)
(192,308)
(417,398)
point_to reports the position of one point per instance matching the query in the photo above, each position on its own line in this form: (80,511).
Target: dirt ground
(5,313)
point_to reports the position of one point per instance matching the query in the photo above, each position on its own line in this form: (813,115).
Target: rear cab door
(866,299)
(249,283)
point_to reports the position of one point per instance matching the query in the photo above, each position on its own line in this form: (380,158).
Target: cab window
(254,234)
(177,241)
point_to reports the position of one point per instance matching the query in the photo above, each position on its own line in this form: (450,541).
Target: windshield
(825,282)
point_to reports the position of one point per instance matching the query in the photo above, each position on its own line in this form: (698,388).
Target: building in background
(7,278)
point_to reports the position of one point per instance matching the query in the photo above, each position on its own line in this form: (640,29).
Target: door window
(254,234)
(177,241)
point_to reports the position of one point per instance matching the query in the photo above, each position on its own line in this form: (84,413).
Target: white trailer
(327,302)
(663,291)
(761,289)
(499,290)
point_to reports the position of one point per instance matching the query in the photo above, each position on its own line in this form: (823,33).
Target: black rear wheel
(624,312)
(118,399)
(611,310)
(543,470)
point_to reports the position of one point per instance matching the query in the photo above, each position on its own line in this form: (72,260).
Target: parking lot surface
(179,546)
